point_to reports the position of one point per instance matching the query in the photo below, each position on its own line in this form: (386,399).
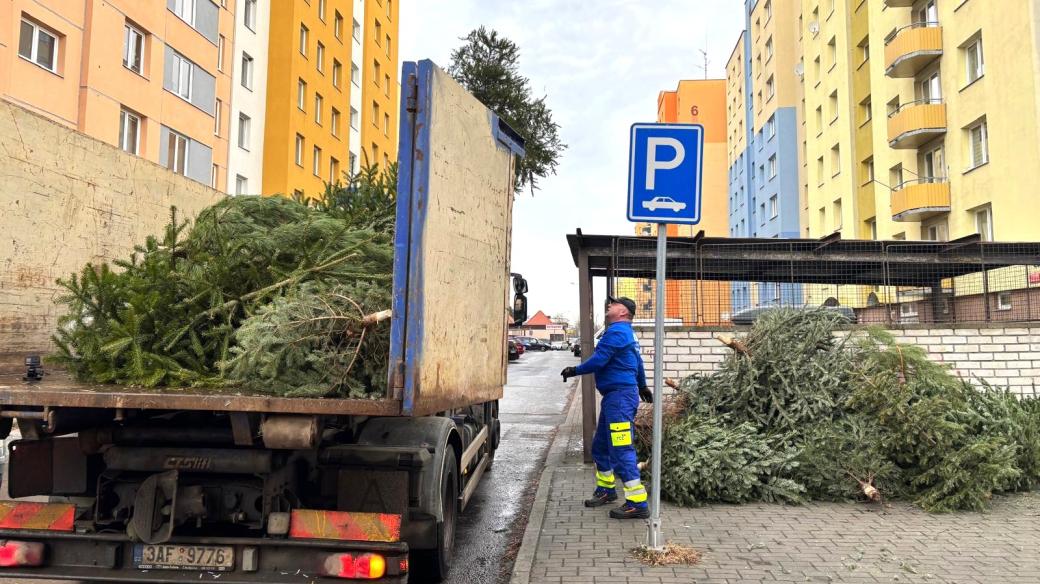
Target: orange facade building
(696,102)
(152,77)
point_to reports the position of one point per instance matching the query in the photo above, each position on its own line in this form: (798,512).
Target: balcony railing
(913,123)
(910,48)
(920,199)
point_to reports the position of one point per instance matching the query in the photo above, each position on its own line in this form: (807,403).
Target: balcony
(915,123)
(920,199)
(911,48)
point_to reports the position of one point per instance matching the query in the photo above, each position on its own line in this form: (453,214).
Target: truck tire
(437,562)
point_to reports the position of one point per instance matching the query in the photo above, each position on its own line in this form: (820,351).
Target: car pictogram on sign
(663,203)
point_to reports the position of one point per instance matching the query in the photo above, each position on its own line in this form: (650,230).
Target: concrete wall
(1003,355)
(68,199)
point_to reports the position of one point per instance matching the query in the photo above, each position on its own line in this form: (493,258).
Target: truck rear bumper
(110,558)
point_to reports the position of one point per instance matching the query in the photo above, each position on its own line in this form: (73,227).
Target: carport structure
(964,280)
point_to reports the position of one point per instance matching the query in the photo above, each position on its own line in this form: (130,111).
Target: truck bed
(59,389)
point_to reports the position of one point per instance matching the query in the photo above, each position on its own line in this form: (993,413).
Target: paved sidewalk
(820,542)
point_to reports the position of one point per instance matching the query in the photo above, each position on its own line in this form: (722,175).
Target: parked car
(538,345)
(559,345)
(514,352)
(520,348)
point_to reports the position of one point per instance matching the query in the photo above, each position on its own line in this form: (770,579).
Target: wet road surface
(489,532)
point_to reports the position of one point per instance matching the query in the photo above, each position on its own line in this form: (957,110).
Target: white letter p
(653,164)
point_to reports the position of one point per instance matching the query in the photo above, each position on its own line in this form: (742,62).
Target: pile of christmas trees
(287,297)
(798,412)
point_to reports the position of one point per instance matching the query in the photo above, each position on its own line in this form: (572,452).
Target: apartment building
(763,100)
(146,76)
(247,113)
(910,134)
(380,83)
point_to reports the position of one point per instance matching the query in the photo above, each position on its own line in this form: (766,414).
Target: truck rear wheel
(437,562)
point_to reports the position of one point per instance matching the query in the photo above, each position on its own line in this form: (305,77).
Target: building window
(819,170)
(221,45)
(872,228)
(321,10)
(354,118)
(835,159)
(378,70)
(185,10)
(333,170)
(337,25)
(908,310)
(973,60)
(864,51)
(129,132)
(866,110)
(837,214)
(819,120)
(316,166)
(357,31)
(247,71)
(241,185)
(319,56)
(39,46)
(386,85)
(386,160)
(375,113)
(770,88)
(133,48)
(214,172)
(375,153)
(297,194)
(299,151)
(774,207)
(768,10)
(334,122)
(355,74)
(337,71)
(386,124)
(984,223)
(978,144)
(387,45)
(217,107)
(177,153)
(834,106)
(249,15)
(868,171)
(182,74)
(832,52)
(245,124)
(318,106)
(303,40)
(771,127)
(1004,301)
(301,95)
(379,33)
(769,49)
(772,167)
(352,163)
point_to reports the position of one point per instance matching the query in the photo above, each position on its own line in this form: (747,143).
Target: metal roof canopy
(830,260)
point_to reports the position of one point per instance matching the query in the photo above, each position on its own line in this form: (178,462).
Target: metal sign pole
(654,540)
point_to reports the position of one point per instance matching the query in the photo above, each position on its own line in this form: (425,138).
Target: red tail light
(20,553)
(357,567)
(403,565)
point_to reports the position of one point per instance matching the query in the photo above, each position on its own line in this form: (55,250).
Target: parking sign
(664,177)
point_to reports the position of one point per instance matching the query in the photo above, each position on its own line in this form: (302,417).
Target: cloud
(601,63)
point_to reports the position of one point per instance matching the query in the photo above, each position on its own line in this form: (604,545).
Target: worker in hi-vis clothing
(621,379)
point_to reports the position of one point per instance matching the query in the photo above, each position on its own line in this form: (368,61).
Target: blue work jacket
(616,360)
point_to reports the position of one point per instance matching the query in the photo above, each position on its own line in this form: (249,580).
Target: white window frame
(772,167)
(769,49)
(218,106)
(245,131)
(131,49)
(319,56)
(334,121)
(984,137)
(333,169)
(771,127)
(321,10)
(241,185)
(985,230)
(355,118)
(124,115)
(355,74)
(305,34)
(337,26)
(355,32)
(249,15)
(974,47)
(908,310)
(221,45)
(337,73)
(185,10)
(319,104)
(386,85)
(1004,300)
(300,145)
(34,51)
(301,95)
(182,80)
(386,123)
(316,163)
(180,143)
(214,172)
(774,207)
(248,66)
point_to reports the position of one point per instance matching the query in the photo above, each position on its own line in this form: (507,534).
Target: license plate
(184,557)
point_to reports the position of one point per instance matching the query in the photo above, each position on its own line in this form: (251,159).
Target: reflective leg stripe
(635,492)
(621,434)
(605,479)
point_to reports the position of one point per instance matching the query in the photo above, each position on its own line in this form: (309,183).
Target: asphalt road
(490,530)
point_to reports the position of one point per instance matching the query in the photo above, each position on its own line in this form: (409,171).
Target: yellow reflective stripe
(636,498)
(635,492)
(621,438)
(605,479)
(617,427)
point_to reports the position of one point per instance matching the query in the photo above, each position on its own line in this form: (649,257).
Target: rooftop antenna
(704,55)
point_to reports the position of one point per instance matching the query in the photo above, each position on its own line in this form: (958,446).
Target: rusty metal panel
(452,253)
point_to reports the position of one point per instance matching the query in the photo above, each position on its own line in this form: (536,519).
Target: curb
(529,545)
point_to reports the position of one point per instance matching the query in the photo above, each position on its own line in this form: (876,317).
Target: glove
(568,372)
(646,395)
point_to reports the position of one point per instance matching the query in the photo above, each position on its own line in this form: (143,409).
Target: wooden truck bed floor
(59,389)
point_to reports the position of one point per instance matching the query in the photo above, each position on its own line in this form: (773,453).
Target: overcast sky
(601,63)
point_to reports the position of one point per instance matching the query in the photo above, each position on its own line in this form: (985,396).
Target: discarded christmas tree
(264,292)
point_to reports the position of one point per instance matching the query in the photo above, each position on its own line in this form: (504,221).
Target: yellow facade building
(380,87)
(150,77)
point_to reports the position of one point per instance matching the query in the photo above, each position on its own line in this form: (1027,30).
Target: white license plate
(184,557)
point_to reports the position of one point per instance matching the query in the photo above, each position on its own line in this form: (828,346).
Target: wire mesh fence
(866,281)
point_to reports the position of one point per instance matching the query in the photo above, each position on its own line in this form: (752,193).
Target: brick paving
(819,542)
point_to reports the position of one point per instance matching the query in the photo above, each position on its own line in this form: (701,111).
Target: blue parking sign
(664,177)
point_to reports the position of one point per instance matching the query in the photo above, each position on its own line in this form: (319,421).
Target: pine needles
(264,292)
(803,413)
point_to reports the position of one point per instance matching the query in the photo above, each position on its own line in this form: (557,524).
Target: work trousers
(613,449)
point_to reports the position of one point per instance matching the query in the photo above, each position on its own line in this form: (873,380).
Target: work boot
(601,496)
(630,510)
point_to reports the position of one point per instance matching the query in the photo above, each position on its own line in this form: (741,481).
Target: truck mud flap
(110,558)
